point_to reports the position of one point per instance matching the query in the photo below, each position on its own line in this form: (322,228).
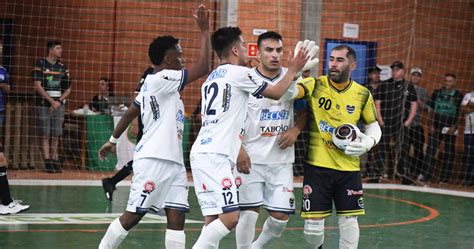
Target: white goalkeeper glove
(364,142)
(313,50)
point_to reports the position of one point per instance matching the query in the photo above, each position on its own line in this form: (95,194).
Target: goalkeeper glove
(362,145)
(313,50)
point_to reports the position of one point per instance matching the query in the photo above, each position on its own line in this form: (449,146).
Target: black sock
(4,187)
(125,171)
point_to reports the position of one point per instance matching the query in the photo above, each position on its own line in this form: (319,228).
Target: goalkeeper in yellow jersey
(331,174)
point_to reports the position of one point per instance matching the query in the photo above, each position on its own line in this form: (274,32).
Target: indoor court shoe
(13,208)
(57,166)
(108,188)
(49,167)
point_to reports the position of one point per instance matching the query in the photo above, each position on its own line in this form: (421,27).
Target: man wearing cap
(389,102)
(414,134)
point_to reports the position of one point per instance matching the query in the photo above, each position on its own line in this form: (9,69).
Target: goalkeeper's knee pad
(314,232)
(348,232)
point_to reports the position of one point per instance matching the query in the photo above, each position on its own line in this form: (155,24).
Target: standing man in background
(52,85)
(467,106)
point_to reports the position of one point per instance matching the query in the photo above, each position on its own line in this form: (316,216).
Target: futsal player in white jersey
(268,148)
(159,179)
(225,96)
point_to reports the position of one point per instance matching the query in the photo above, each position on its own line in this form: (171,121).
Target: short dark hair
(224,38)
(351,54)
(450,75)
(52,44)
(159,46)
(105,79)
(272,35)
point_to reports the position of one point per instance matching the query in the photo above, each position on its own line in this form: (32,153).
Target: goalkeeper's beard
(341,77)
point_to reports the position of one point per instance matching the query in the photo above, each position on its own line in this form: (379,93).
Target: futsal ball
(344,135)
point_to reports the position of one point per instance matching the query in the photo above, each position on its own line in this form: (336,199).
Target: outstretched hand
(202,18)
(297,62)
(313,50)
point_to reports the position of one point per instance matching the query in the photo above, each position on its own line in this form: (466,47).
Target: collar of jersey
(270,79)
(337,90)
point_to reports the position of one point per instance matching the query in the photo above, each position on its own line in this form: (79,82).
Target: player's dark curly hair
(351,54)
(159,46)
(223,39)
(272,35)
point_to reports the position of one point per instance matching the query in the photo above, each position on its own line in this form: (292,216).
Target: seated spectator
(100,101)
(445,104)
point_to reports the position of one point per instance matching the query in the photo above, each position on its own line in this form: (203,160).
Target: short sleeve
(466,99)
(37,72)
(4,78)
(248,81)
(169,81)
(412,96)
(369,114)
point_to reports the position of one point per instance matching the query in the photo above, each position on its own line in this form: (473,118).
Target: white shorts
(267,185)
(214,183)
(157,184)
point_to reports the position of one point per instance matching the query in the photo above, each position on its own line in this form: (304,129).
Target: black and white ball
(344,135)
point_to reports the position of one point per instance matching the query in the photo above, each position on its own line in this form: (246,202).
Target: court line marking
(32,182)
(76,218)
(433,214)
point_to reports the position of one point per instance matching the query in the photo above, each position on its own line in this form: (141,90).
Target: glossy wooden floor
(77,217)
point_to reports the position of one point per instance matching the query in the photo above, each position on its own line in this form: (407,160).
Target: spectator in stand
(52,86)
(390,97)
(445,104)
(99,102)
(468,109)
(373,76)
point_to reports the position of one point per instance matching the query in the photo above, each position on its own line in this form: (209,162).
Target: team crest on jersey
(350,109)
(292,202)
(149,187)
(360,202)
(307,190)
(226,183)
(238,181)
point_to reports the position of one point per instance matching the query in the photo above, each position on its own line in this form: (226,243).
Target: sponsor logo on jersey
(325,127)
(155,108)
(208,122)
(269,131)
(354,192)
(138,148)
(166,77)
(287,190)
(206,140)
(360,202)
(238,181)
(227,97)
(307,190)
(350,109)
(180,116)
(219,73)
(226,183)
(292,201)
(149,187)
(266,114)
(204,187)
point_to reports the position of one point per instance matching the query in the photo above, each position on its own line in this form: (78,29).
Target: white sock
(245,230)
(272,229)
(175,239)
(211,235)
(114,236)
(348,232)
(314,232)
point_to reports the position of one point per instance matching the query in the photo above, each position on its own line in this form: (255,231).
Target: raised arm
(202,66)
